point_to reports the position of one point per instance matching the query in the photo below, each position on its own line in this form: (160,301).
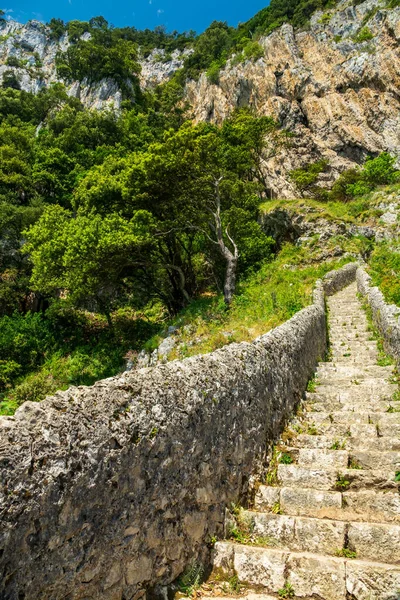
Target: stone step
(354,372)
(324,577)
(298,534)
(349,418)
(363,505)
(355,406)
(351,393)
(323,536)
(336,430)
(341,458)
(341,381)
(370,387)
(325,442)
(336,480)
(348,358)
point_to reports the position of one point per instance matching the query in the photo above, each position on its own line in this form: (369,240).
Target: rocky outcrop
(110,490)
(33,47)
(335,86)
(339,96)
(302,221)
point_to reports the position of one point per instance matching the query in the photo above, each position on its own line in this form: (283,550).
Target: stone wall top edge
(196,366)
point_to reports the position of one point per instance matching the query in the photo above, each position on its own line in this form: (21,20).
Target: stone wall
(110,490)
(334,281)
(386,316)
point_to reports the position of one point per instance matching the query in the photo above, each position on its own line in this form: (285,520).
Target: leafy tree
(86,255)
(57,28)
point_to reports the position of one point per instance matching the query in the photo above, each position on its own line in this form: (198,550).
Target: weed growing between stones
(312,430)
(354,464)
(312,384)
(285,459)
(337,445)
(190,580)
(287,591)
(342,483)
(345,553)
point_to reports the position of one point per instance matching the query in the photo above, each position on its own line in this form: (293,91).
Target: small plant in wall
(287,591)
(190,580)
(345,553)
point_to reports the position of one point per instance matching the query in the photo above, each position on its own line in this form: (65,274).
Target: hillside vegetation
(116,226)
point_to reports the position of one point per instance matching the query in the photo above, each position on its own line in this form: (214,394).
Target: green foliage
(287,591)
(285,459)
(10,80)
(364,35)
(253,51)
(384,267)
(190,580)
(325,19)
(345,553)
(355,183)
(13,61)
(98,58)
(213,73)
(57,28)
(306,178)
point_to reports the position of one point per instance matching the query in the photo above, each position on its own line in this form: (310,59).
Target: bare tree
(231,257)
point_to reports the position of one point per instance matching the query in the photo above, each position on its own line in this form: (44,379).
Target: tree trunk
(230,257)
(230,279)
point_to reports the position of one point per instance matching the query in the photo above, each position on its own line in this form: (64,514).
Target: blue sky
(174,14)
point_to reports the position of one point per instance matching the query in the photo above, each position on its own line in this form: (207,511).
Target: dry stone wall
(386,316)
(110,490)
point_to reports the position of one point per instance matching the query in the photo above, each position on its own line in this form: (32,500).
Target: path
(329,526)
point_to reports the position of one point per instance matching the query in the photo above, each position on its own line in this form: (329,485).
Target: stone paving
(328,525)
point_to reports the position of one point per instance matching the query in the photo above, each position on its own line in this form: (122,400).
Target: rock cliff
(335,86)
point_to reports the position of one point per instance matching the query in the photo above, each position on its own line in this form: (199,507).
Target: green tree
(87,257)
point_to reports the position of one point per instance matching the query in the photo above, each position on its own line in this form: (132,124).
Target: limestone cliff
(335,86)
(338,95)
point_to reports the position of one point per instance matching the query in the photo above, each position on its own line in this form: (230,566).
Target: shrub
(306,178)
(13,61)
(325,19)
(213,73)
(380,170)
(359,182)
(364,35)
(253,51)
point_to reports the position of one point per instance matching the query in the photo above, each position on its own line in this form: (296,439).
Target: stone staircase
(327,527)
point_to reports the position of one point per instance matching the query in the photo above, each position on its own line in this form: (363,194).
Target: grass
(191,579)
(94,355)
(337,445)
(265,299)
(345,553)
(363,209)
(384,268)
